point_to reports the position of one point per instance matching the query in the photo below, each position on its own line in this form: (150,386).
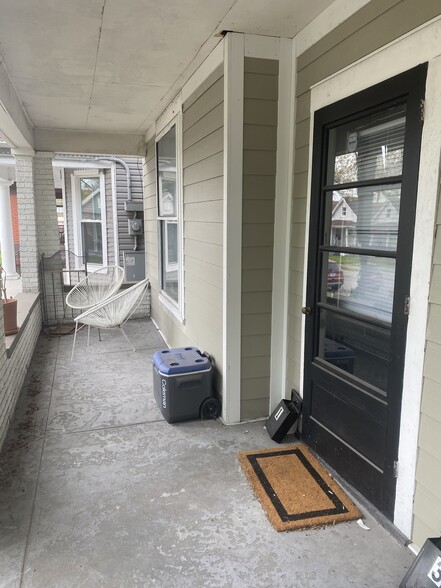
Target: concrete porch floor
(96,489)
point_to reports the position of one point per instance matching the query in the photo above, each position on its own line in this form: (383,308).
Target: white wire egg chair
(95,287)
(113,312)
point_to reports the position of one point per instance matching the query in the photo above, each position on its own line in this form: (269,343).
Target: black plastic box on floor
(425,572)
(183,384)
(283,418)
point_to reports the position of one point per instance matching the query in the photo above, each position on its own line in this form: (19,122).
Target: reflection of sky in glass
(90,198)
(166,153)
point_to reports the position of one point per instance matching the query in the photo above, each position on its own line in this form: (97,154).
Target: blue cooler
(183,384)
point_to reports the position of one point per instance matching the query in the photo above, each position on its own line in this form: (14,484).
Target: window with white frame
(169,187)
(89,216)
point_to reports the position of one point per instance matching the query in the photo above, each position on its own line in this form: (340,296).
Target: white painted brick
(13,369)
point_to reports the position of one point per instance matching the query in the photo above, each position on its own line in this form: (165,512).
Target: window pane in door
(366,218)
(92,242)
(367,148)
(357,348)
(90,198)
(359,283)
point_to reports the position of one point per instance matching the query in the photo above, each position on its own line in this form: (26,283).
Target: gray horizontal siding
(259,170)
(427,505)
(203,116)
(126,241)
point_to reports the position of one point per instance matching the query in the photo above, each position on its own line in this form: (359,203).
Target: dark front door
(364,183)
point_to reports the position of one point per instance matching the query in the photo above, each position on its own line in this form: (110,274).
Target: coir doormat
(295,490)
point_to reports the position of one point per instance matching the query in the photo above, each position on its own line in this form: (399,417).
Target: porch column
(24,160)
(6,234)
(46,208)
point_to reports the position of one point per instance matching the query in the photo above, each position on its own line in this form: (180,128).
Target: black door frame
(409,87)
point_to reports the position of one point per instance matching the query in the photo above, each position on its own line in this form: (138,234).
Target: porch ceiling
(107,65)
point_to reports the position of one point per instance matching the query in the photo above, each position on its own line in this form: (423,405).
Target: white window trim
(76,208)
(176,308)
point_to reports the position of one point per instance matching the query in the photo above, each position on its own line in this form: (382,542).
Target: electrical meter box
(183,384)
(135,226)
(134,266)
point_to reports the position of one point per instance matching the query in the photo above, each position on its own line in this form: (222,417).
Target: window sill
(171,307)
(25,306)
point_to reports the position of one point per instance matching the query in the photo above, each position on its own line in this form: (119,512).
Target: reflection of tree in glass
(345,169)
(89,185)
(90,198)
(389,162)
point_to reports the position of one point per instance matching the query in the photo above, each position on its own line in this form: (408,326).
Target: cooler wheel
(210,408)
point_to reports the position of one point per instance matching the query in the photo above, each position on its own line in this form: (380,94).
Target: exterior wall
(259,175)
(371,28)
(13,369)
(427,505)
(29,257)
(46,210)
(47,234)
(126,241)
(203,225)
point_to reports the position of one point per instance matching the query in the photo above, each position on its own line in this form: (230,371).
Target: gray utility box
(183,384)
(134,265)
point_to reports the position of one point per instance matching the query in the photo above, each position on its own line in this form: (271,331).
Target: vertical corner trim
(282,222)
(234,46)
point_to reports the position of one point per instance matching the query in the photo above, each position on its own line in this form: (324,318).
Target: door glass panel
(366,218)
(355,347)
(359,283)
(367,148)
(90,198)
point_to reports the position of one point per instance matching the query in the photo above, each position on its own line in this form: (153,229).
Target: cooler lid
(180,360)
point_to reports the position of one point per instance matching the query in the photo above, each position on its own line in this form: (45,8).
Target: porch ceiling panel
(119,106)
(44,43)
(113,66)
